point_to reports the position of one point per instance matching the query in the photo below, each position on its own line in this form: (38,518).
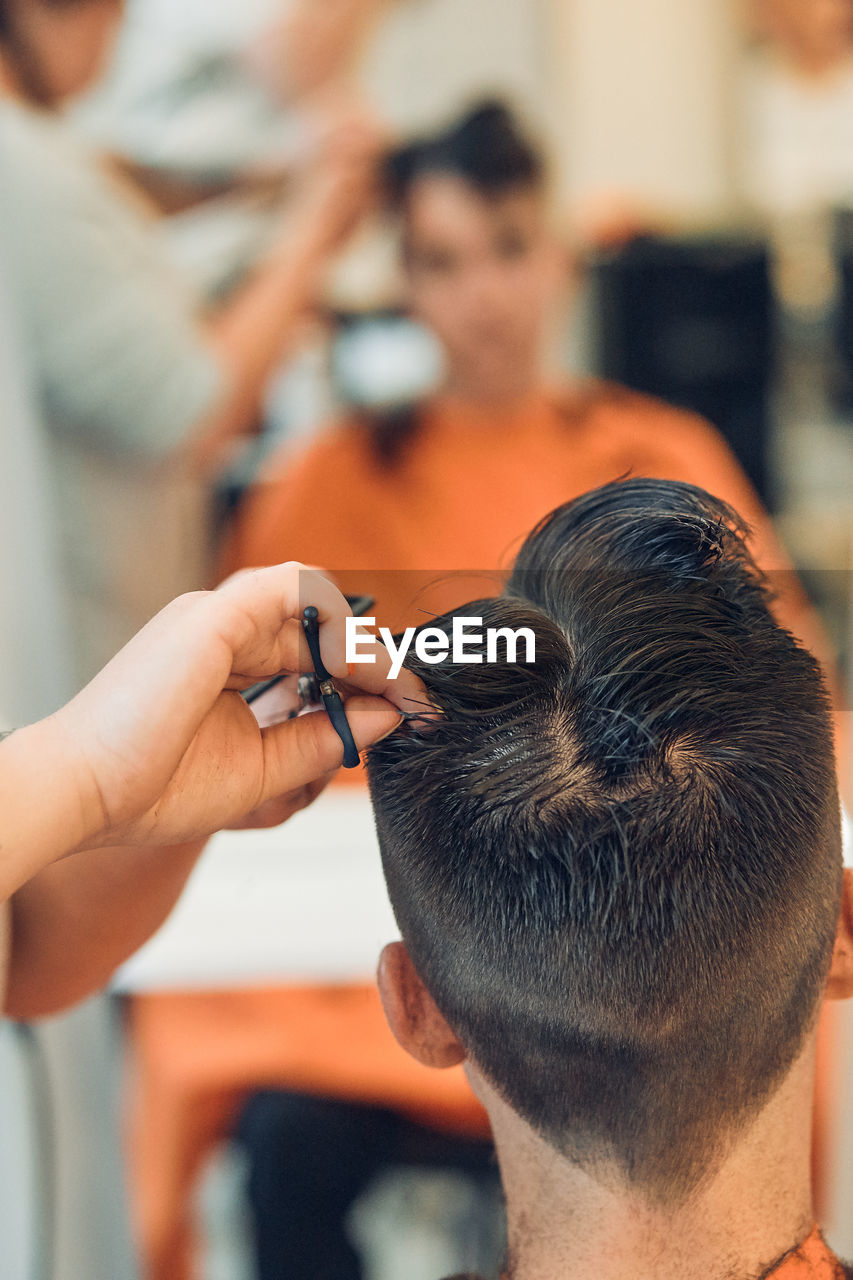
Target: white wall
(434,56)
(641,96)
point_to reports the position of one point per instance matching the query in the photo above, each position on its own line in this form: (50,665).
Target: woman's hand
(336,186)
(164,749)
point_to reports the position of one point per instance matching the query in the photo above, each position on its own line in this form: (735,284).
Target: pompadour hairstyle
(617,868)
(486,147)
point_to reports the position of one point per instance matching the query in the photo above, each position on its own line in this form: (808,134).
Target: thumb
(371,719)
(299,751)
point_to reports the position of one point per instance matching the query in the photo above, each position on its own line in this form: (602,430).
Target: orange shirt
(469,487)
(812,1260)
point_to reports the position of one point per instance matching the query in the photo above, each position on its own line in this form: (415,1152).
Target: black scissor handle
(331,698)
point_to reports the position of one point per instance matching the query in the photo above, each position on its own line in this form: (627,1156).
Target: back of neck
(565,1224)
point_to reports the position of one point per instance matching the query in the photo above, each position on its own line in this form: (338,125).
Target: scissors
(318,685)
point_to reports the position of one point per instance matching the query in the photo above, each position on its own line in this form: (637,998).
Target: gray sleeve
(114,339)
(5,951)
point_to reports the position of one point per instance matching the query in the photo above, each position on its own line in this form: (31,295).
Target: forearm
(73,924)
(42,817)
(172,191)
(249,337)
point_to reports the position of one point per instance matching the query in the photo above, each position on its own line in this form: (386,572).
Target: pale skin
(250,333)
(154,755)
(566,1224)
(487,277)
(813,37)
(311,50)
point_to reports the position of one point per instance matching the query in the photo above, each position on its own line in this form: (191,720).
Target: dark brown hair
(486,147)
(617,868)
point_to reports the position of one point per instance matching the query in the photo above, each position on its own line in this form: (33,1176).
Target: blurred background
(231,238)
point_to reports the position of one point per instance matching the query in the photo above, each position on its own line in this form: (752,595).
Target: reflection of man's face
(483,274)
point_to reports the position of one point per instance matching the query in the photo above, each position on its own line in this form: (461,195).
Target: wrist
(44,814)
(79,799)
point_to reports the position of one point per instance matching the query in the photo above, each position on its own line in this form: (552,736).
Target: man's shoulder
(620,403)
(649,431)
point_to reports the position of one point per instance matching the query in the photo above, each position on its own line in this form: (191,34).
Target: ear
(839,984)
(415,1020)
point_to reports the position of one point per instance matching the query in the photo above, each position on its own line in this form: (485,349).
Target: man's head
(52,50)
(617,869)
(483,267)
(814,34)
